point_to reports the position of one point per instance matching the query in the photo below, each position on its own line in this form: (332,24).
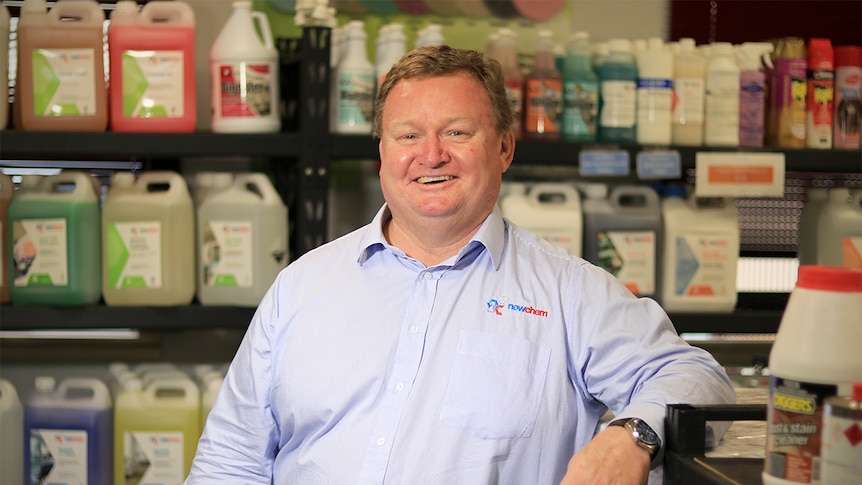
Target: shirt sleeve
(240,438)
(628,355)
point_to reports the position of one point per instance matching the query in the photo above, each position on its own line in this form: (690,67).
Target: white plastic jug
(11,438)
(156,430)
(839,231)
(244,73)
(701,252)
(148,236)
(242,242)
(550,210)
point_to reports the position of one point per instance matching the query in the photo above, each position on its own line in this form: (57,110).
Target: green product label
(134,254)
(153,84)
(64,82)
(40,252)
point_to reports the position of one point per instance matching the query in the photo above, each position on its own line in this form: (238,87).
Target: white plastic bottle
(12,436)
(391,47)
(550,210)
(352,100)
(839,230)
(808,235)
(721,122)
(701,252)
(815,356)
(654,94)
(244,73)
(689,77)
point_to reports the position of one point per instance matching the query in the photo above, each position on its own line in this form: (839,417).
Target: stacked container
(622,234)
(148,234)
(6,190)
(242,242)
(550,210)
(69,432)
(53,238)
(152,59)
(61,74)
(11,439)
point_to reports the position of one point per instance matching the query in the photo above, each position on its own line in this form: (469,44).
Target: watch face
(647,435)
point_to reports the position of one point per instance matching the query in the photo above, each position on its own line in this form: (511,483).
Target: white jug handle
(265,32)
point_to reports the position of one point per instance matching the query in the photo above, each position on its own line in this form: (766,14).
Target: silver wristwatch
(642,434)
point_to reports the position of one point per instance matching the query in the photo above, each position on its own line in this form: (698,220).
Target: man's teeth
(431,180)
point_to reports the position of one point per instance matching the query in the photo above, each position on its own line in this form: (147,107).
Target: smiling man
(442,344)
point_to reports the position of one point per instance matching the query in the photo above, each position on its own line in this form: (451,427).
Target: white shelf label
(739,174)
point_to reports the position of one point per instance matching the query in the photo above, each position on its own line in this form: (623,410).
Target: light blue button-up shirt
(362,366)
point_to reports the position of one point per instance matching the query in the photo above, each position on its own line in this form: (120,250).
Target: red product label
(821,86)
(245,90)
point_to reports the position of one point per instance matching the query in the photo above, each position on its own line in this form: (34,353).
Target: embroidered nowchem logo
(498,305)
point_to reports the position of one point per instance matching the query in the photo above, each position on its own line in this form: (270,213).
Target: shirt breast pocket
(495,386)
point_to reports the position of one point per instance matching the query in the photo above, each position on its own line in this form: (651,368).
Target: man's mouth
(434,180)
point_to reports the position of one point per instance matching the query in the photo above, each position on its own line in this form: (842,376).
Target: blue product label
(580,108)
(355,98)
(654,83)
(659,165)
(604,162)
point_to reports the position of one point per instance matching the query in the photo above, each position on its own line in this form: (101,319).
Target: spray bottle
(752,56)
(821,88)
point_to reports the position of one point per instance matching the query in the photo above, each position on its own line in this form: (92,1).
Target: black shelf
(34,145)
(566,154)
(25,317)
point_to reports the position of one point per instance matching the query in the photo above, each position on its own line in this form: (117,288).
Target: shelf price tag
(604,162)
(659,164)
(739,174)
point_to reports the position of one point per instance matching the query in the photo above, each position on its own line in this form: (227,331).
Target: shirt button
(428,275)
(414,329)
(399,386)
(380,441)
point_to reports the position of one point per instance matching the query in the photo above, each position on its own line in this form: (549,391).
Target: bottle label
(788,92)
(247,89)
(819,106)
(841,442)
(580,108)
(795,421)
(40,252)
(703,266)
(654,100)
(153,84)
(64,82)
(751,113)
(688,101)
(618,104)
(227,254)
(58,456)
(543,104)
(355,99)
(155,458)
(134,254)
(630,256)
(847,108)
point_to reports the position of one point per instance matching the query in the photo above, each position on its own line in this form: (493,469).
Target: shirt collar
(491,235)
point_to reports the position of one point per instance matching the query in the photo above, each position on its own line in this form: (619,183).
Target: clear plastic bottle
(654,93)
(352,101)
(721,122)
(580,91)
(618,94)
(543,93)
(689,78)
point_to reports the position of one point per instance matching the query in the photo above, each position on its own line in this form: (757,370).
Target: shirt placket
(408,357)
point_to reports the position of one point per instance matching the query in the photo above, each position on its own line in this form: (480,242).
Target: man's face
(442,158)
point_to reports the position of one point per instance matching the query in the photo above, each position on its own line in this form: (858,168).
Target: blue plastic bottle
(68,433)
(580,91)
(618,77)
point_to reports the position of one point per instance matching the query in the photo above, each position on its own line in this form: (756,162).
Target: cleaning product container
(839,230)
(622,234)
(701,252)
(53,237)
(152,59)
(156,431)
(148,235)
(244,73)
(61,74)
(11,439)
(4,65)
(69,431)
(815,356)
(242,242)
(210,387)
(809,218)
(550,210)
(6,190)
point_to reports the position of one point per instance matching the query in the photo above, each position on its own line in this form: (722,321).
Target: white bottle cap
(45,383)
(619,45)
